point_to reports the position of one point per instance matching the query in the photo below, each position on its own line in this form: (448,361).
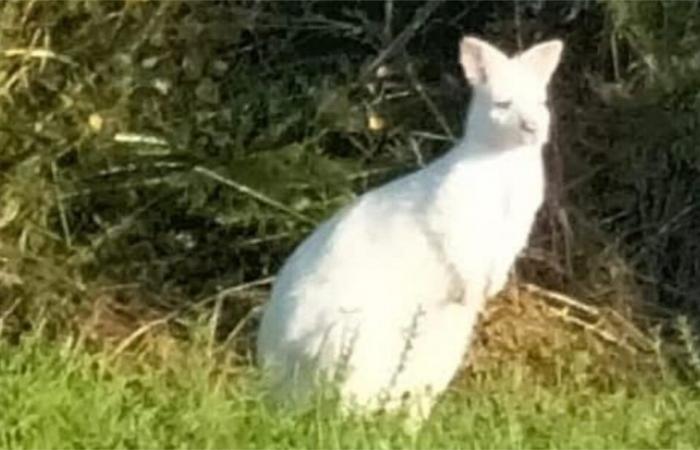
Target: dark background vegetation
(162,158)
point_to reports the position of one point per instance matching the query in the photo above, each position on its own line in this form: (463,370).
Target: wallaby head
(509,100)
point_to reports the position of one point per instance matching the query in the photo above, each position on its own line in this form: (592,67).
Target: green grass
(56,397)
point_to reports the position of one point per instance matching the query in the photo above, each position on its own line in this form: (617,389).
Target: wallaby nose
(527,126)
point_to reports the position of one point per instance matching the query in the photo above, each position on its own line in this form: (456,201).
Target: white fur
(383,297)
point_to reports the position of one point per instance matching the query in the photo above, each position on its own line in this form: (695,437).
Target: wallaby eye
(503,104)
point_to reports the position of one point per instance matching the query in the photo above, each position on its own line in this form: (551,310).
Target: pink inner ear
(471,59)
(543,58)
(481,72)
(479,58)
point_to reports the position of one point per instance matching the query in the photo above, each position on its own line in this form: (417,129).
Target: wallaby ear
(479,60)
(543,58)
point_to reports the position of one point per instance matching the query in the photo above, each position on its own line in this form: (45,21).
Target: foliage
(164,157)
(641,153)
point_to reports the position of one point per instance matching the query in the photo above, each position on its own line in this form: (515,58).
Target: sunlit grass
(55,397)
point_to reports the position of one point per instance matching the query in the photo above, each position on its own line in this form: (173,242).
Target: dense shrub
(158,152)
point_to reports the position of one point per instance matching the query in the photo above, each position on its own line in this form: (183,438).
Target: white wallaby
(383,297)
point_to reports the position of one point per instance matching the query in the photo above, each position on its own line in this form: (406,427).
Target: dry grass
(547,333)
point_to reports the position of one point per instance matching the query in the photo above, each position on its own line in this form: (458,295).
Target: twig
(575,182)
(147,31)
(560,298)
(419,18)
(147,182)
(237,288)
(431,136)
(8,312)
(615,56)
(135,138)
(418,86)
(253,242)
(61,207)
(643,343)
(542,256)
(518,24)
(319,22)
(650,279)
(126,222)
(213,325)
(133,167)
(28,9)
(123,345)
(388,18)
(262,198)
(39,53)
(369,172)
(254,311)
(12,80)
(633,330)
(604,335)
(416,151)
